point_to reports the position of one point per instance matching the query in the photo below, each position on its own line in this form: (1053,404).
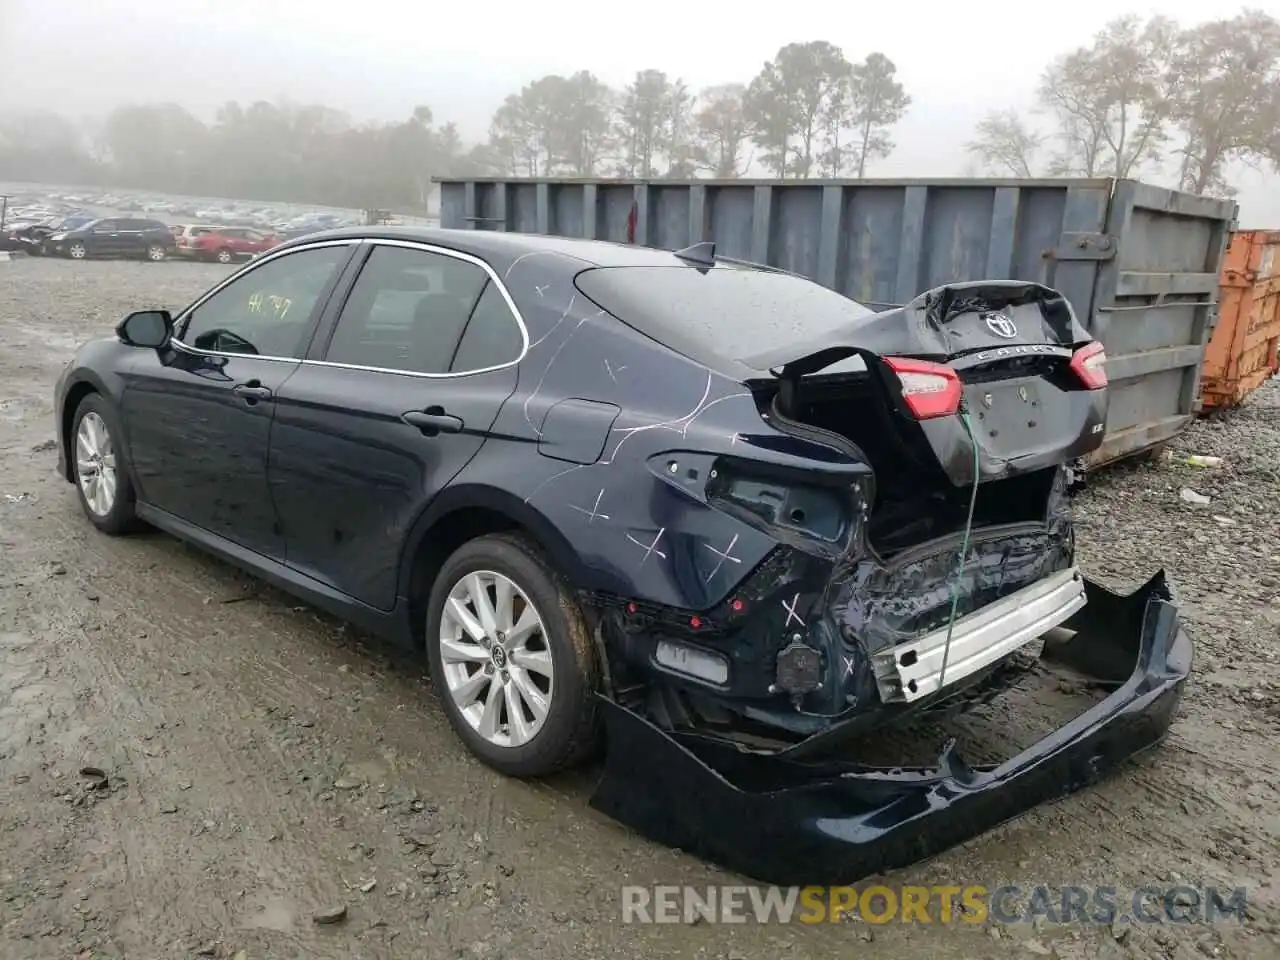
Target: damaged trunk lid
(1003,365)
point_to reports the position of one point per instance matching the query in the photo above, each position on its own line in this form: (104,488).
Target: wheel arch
(76,391)
(463,513)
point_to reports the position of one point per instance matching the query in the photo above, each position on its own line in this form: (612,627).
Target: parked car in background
(228,244)
(10,234)
(185,235)
(114,237)
(31,238)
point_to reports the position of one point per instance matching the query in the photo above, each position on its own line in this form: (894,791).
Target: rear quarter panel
(626,490)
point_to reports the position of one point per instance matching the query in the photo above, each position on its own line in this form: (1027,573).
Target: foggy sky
(376,59)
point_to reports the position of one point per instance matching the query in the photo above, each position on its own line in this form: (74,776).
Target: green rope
(964,548)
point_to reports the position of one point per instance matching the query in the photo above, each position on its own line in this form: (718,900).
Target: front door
(199,419)
(411,380)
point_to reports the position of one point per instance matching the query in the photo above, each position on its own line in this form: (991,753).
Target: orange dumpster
(1241,354)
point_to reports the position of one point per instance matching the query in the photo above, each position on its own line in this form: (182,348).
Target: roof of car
(490,244)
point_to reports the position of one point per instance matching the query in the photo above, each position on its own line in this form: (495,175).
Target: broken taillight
(929,389)
(1089,364)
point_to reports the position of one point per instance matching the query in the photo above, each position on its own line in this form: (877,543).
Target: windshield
(730,312)
(73,223)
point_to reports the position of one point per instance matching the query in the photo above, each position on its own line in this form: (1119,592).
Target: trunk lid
(944,323)
(1003,365)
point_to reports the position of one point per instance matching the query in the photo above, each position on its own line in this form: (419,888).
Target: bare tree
(1113,98)
(1003,143)
(722,131)
(1227,101)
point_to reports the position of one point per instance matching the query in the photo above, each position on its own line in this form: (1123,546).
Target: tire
(569,731)
(118,516)
(156,253)
(77,251)
(224,256)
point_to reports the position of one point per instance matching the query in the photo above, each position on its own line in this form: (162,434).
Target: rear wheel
(511,658)
(102,476)
(77,251)
(224,255)
(156,252)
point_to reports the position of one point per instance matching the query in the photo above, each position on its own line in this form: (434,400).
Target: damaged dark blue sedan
(720,518)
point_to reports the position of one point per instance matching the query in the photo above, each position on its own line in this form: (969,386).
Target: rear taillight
(929,389)
(1089,364)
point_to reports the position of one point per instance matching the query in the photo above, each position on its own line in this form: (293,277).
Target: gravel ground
(265,763)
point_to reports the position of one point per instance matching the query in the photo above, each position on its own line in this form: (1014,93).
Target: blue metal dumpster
(1138,262)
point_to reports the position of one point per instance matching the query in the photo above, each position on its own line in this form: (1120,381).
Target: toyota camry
(706,513)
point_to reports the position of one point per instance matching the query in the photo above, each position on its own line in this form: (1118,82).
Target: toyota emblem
(1001,325)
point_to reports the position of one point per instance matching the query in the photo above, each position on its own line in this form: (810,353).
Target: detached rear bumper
(780,820)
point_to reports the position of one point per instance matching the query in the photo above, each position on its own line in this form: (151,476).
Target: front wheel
(511,658)
(156,253)
(224,256)
(102,475)
(77,251)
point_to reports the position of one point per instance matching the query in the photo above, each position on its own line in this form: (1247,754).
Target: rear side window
(492,337)
(407,311)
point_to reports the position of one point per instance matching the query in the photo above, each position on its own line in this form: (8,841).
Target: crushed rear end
(799,820)
(950,581)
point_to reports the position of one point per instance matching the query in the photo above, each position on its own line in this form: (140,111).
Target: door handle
(251,392)
(432,421)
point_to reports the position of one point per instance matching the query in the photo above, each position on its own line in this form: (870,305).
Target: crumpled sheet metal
(788,822)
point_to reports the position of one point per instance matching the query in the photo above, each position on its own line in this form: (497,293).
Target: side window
(106,226)
(268,310)
(406,311)
(492,337)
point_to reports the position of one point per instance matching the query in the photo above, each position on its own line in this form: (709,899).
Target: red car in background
(227,244)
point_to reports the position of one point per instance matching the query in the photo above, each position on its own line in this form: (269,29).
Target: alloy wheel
(496,658)
(155,253)
(96,464)
(77,251)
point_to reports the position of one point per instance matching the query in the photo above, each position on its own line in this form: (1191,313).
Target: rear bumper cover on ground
(780,820)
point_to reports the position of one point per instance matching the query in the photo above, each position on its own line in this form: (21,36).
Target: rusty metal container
(1241,353)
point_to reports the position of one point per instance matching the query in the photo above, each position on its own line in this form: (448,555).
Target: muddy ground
(264,762)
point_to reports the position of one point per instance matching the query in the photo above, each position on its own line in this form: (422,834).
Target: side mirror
(146,328)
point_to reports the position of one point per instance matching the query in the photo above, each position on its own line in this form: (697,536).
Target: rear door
(385,414)
(103,239)
(237,240)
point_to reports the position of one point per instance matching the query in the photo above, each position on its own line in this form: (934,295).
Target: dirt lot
(266,763)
